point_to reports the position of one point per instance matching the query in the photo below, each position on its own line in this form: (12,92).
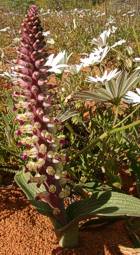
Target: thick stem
(116,115)
(70,237)
(67,235)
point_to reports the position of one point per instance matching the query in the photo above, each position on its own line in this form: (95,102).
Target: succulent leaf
(63,116)
(105,204)
(30,190)
(113,90)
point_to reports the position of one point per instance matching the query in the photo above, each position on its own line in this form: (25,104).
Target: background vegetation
(114,161)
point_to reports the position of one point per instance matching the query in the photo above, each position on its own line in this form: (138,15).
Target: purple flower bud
(18,132)
(24,157)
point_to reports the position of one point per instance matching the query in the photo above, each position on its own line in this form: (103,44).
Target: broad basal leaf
(31,190)
(105,204)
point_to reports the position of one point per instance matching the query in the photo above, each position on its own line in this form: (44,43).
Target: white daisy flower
(46,33)
(74,69)
(100,53)
(113,29)
(133,97)
(120,42)
(9,75)
(106,77)
(137,59)
(101,41)
(5,29)
(59,63)
(49,39)
(16,40)
(95,57)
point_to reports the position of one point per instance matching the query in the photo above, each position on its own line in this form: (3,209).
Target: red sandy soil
(23,231)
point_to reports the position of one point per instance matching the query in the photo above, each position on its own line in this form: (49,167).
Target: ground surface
(25,232)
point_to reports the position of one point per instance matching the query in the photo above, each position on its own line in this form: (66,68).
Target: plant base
(70,238)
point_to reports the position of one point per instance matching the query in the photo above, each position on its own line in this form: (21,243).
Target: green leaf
(105,204)
(63,116)
(30,190)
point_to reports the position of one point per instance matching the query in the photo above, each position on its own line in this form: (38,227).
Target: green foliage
(31,190)
(100,204)
(105,204)
(67,4)
(22,6)
(9,154)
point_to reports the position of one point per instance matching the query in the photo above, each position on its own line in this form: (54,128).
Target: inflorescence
(37,128)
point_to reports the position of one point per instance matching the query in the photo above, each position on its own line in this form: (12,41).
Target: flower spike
(36,126)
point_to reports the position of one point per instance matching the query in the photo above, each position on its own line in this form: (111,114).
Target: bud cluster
(36,131)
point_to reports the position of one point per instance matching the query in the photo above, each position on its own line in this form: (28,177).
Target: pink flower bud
(18,132)
(41,82)
(39,63)
(40,97)
(35,75)
(24,157)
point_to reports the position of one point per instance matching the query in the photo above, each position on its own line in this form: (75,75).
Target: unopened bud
(50,170)
(52,188)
